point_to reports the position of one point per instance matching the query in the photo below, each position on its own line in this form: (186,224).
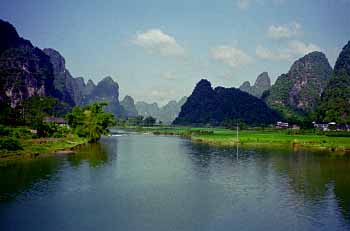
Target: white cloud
(300,48)
(168,76)
(284,31)
(156,41)
(243,4)
(267,54)
(230,56)
(294,49)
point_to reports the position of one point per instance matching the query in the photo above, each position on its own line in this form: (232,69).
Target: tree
(91,121)
(149,121)
(35,108)
(335,103)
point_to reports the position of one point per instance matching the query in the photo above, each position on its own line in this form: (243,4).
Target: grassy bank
(32,148)
(271,137)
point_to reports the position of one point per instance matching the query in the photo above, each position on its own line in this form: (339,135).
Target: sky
(157,50)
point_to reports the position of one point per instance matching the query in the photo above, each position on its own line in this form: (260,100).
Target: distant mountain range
(27,71)
(261,84)
(311,90)
(129,108)
(74,91)
(165,114)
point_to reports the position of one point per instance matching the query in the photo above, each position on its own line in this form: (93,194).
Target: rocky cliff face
(213,106)
(129,108)
(90,85)
(246,87)
(335,100)
(147,109)
(107,90)
(75,92)
(25,70)
(165,114)
(171,110)
(261,84)
(301,88)
(71,89)
(342,65)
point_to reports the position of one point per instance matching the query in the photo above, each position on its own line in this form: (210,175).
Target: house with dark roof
(56,120)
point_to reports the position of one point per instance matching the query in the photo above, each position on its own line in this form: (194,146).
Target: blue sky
(157,50)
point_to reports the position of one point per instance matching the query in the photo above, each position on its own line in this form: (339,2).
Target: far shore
(267,138)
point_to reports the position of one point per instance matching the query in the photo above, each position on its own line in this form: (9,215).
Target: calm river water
(145,182)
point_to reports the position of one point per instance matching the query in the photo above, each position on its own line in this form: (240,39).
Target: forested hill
(215,106)
(299,91)
(335,100)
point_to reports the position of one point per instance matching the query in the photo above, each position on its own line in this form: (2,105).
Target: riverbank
(267,138)
(33,148)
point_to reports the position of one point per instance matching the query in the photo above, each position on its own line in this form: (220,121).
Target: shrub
(10,144)
(4,131)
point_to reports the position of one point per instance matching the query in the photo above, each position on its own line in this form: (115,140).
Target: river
(146,182)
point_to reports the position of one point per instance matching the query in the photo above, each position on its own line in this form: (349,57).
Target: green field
(40,147)
(270,137)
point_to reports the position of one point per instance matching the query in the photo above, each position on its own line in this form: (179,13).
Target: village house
(281,125)
(56,120)
(331,126)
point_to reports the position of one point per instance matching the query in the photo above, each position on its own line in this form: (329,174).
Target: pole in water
(237,143)
(237,132)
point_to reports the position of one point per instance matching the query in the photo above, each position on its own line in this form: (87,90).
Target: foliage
(212,106)
(31,111)
(149,121)
(91,121)
(51,130)
(10,144)
(335,104)
(232,124)
(36,108)
(4,131)
(135,121)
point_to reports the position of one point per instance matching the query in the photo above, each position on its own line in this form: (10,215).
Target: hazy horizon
(158,50)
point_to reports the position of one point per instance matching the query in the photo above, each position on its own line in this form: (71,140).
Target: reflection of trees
(94,153)
(97,154)
(338,171)
(200,154)
(21,175)
(311,174)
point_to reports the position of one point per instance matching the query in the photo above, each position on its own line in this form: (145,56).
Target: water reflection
(312,176)
(141,182)
(95,154)
(18,176)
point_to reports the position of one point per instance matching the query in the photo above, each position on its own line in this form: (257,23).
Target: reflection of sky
(157,50)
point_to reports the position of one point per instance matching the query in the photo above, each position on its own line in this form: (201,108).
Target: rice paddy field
(334,141)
